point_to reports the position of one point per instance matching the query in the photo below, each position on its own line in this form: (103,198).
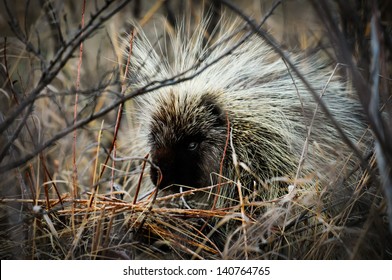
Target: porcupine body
(240,115)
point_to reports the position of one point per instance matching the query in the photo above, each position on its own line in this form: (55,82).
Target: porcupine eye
(192,146)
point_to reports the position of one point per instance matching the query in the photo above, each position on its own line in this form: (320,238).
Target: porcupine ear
(215,109)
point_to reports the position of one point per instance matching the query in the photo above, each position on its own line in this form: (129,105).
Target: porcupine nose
(161,172)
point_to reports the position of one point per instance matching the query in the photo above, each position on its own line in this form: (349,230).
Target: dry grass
(60,204)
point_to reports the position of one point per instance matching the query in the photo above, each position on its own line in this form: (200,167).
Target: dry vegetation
(69,186)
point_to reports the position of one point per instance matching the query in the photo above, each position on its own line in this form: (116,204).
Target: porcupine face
(187,136)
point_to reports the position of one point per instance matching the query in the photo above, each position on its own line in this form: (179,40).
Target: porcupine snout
(173,168)
(178,166)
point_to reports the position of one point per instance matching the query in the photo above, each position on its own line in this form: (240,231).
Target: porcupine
(238,99)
